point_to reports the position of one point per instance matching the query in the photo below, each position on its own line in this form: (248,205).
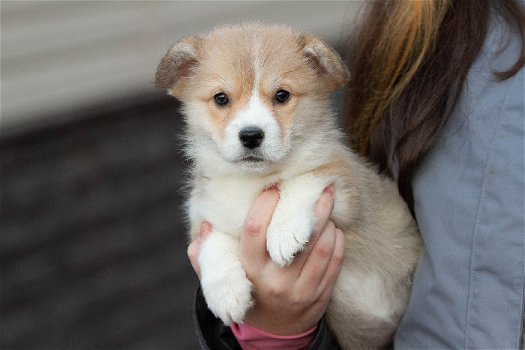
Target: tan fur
(382,241)
(220,51)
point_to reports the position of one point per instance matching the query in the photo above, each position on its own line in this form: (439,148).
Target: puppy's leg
(225,286)
(294,218)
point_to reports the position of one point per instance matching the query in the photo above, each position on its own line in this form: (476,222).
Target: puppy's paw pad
(228,298)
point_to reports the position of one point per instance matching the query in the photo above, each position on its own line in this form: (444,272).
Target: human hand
(195,247)
(292,299)
(289,300)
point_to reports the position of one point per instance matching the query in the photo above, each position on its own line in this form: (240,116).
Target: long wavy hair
(409,60)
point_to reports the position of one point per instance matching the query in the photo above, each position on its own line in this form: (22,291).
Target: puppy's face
(248,89)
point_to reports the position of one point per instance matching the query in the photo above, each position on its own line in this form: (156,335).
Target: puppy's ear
(325,60)
(177,64)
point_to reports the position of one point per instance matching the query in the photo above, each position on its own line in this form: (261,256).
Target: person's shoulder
(503,43)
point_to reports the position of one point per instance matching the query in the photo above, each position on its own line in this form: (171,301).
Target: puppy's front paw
(228,296)
(285,238)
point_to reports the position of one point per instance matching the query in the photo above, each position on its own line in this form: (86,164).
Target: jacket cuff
(324,339)
(212,334)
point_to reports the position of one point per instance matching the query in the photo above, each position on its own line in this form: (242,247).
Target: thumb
(195,247)
(252,250)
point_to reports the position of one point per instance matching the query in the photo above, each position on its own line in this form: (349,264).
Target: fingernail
(329,190)
(205,229)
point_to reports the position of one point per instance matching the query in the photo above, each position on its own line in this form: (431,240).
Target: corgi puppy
(256,103)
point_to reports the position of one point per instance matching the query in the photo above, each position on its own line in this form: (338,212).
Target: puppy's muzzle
(251,137)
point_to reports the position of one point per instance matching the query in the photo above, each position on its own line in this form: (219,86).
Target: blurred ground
(93,247)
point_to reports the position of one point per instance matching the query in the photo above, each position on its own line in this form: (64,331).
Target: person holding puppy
(436,100)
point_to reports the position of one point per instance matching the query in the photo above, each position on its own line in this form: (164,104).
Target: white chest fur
(224,201)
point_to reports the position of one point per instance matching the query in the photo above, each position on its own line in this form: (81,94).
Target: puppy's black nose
(251,137)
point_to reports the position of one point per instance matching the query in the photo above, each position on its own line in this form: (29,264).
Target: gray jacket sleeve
(468,290)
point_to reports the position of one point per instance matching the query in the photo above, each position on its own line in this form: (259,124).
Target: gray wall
(59,56)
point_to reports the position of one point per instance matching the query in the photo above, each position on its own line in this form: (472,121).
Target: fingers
(334,266)
(319,258)
(253,252)
(323,210)
(195,247)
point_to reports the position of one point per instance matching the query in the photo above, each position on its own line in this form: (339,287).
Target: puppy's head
(251,92)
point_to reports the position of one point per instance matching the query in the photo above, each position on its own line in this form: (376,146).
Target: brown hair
(409,61)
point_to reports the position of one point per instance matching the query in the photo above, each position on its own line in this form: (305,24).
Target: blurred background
(93,245)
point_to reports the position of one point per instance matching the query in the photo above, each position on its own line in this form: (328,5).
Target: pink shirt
(251,338)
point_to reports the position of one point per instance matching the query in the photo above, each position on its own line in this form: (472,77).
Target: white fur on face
(255,114)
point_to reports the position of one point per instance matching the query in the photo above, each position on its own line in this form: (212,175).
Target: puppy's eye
(221,99)
(282,96)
